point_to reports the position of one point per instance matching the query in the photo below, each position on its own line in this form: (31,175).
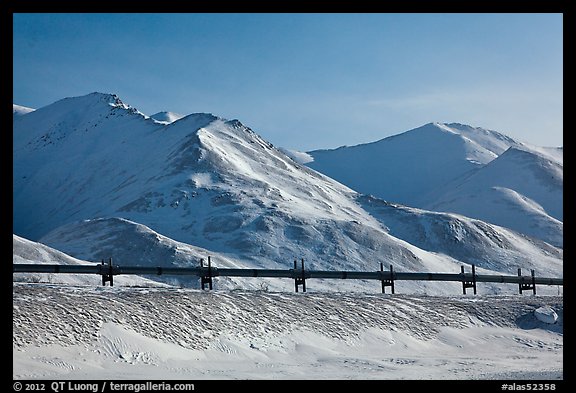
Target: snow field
(88,333)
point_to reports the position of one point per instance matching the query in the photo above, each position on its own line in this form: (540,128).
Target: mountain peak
(109,98)
(74,117)
(166,117)
(94,99)
(410,164)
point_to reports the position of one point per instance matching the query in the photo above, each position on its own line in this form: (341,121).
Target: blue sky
(307,81)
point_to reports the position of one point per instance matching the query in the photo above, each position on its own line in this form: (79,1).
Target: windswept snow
(298,156)
(19,110)
(167,117)
(116,333)
(492,141)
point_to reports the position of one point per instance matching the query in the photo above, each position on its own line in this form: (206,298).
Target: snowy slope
(490,140)
(132,244)
(440,240)
(159,334)
(207,182)
(26,251)
(458,168)
(19,110)
(522,189)
(469,240)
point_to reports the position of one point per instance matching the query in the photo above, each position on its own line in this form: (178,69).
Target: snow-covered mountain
(215,184)
(457,168)
(404,167)
(19,110)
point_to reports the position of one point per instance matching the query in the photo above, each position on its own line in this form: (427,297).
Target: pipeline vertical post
(382,281)
(103,275)
(299,280)
(209,273)
(474,277)
(111,272)
(107,274)
(206,278)
(529,285)
(387,282)
(202,279)
(468,284)
(304,277)
(295,279)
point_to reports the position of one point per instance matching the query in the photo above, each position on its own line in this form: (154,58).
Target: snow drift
(152,334)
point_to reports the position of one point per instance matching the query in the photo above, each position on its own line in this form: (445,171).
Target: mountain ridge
(425,167)
(208,182)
